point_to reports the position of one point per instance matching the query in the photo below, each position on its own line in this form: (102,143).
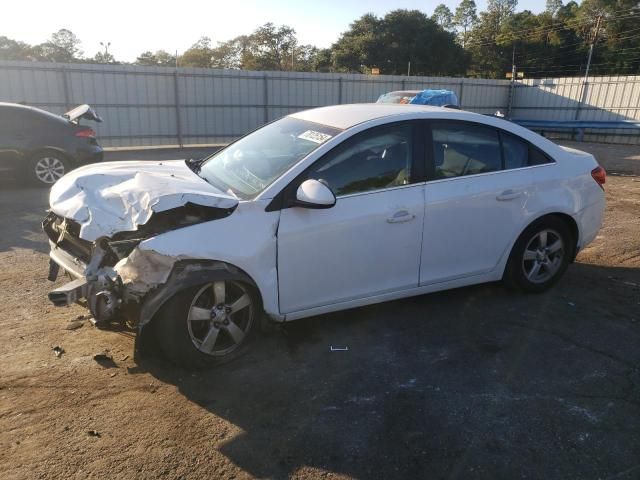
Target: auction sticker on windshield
(315,137)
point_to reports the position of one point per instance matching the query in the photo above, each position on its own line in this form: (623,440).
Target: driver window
(372,160)
(464,149)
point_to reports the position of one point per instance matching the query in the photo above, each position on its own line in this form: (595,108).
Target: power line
(537,31)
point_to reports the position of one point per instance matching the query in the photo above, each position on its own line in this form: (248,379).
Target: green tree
(464,18)
(391,42)
(199,55)
(63,46)
(14,50)
(553,6)
(500,10)
(323,61)
(271,48)
(360,47)
(159,58)
(104,57)
(442,16)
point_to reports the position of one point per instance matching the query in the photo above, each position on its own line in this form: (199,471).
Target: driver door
(369,242)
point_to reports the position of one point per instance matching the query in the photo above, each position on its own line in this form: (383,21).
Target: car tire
(198,327)
(47,167)
(540,256)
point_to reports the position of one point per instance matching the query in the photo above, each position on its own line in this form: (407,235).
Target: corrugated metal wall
(157,106)
(610,98)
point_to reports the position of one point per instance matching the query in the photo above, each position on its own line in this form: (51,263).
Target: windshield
(245,168)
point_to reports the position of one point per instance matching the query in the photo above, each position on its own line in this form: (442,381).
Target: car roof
(347,116)
(8,107)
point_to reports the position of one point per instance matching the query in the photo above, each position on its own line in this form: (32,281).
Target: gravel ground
(470,383)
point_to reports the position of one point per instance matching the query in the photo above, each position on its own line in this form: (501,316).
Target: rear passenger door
(475,196)
(11,138)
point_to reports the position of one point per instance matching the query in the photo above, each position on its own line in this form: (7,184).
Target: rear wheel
(47,168)
(208,324)
(540,256)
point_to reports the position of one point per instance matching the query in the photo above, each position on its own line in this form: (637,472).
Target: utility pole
(593,41)
(513,79)
(583,93)
(293,49)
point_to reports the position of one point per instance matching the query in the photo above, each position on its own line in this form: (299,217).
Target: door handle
(401,216)
(508,195)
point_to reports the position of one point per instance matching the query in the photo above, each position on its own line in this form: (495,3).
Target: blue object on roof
(438,98)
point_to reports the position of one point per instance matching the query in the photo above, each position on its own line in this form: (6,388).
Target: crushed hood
(113,197)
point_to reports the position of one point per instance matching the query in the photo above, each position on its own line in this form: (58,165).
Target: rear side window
(461,149)
(519,153)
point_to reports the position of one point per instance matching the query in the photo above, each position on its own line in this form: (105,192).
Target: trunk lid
(82,111)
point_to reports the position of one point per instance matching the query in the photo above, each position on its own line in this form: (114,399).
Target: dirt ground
(471,383)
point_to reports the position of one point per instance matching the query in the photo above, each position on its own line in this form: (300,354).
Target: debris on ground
(93,433)
(124,358)
(571,304)
(74,325)
(105,360)
(338,349)
(58,350)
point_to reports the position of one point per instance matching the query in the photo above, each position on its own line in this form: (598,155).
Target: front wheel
(208,324)
(540,256)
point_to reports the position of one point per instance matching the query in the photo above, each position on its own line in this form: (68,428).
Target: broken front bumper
(73,291)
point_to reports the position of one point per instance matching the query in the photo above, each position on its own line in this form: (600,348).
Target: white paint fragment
(108,198)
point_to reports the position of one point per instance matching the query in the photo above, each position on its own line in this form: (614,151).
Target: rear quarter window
(519,153)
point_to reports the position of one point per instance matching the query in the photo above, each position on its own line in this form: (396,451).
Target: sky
(134,26)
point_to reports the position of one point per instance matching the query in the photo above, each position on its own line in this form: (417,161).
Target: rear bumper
(89,154)
(589,221)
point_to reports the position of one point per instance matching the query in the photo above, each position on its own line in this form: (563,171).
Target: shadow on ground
(471,383)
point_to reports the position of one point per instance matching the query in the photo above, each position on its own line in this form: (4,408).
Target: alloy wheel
(220,317)
(49,170)
(543,256)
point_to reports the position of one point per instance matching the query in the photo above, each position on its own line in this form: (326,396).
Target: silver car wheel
(543,256)
(49,170)
(220,317)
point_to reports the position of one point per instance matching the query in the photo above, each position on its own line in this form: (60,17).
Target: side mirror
(314,194)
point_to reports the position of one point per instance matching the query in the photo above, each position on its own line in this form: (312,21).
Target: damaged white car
(322,210)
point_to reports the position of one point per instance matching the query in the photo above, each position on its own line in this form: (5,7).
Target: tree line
(463,42)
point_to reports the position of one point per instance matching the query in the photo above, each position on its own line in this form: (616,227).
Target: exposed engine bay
(111,276)
(96,242)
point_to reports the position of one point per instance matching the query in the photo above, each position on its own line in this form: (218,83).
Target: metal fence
(156,105)
(611,98)
(186,106)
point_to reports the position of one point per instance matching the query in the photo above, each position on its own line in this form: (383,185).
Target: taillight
(86,133)
(599,174)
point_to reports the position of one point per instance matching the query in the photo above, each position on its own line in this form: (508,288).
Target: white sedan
(322,210)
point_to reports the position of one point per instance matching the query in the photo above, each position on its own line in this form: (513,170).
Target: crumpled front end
(98,218)
(111,276)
